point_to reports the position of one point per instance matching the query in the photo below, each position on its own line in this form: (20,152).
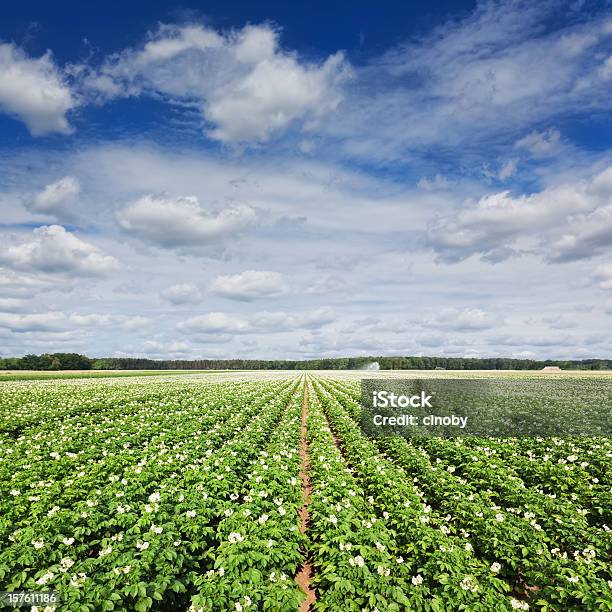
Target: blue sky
(272,180)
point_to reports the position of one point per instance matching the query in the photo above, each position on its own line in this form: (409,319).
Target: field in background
(258,490)
(11,375)
(16,375)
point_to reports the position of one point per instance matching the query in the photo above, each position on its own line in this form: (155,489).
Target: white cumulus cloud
(53,249)
(213,323)
(182,221)
(183,293)
(249,285)
(247,87)
(260,322)
(563,222)
(34,90)
(56,197)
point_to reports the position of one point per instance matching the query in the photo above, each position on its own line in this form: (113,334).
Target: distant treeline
(74,361)
(48,361)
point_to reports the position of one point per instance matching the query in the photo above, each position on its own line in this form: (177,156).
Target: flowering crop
(259,542)
(541,543)
(116,508)
(150,494)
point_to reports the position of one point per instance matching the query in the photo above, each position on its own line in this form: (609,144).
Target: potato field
(260,492)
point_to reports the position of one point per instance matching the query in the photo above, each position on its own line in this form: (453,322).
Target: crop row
(446,572)
(529,557)
(575,520)
(147,532)
(258,540)
(48,466)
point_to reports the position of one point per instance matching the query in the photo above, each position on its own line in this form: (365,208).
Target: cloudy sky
(293,180)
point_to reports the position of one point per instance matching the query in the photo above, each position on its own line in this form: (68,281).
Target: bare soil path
(304,576)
